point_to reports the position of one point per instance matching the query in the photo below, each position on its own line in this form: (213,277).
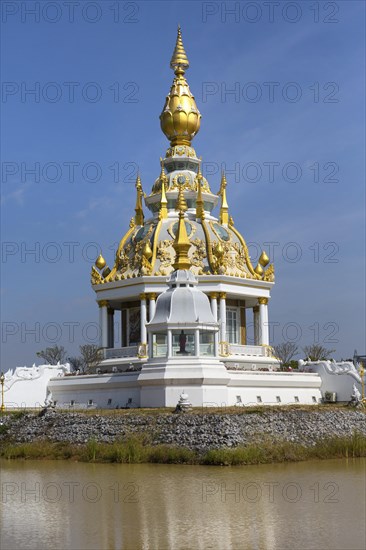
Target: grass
(134,451)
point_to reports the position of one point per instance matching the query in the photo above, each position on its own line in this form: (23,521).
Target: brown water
(66,505)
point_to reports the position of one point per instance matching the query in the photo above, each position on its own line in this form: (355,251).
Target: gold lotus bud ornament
(100,262)
(147,252)
(259,270)
(263,260)
(180,119)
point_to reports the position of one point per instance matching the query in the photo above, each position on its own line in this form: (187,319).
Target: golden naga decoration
(139,216)
(180,120)
(181,243)
(224,210)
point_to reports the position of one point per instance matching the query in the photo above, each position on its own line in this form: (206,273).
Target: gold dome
(180,119)
(100,262)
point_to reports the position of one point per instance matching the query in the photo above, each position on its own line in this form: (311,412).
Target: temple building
(217,254)
(190,307)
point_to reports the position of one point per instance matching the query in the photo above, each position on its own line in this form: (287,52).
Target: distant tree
(90,356)
(76,363)
(316,352)
(54,355)
(285,352)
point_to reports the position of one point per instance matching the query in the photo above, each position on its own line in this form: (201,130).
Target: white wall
(28,386)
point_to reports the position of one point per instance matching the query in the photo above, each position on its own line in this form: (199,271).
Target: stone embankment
(198,431)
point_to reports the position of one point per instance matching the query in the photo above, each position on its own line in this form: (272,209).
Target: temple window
(232,325)
(183,343)
(207,345)
(159,345)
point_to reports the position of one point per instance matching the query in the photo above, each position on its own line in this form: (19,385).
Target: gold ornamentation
(200,211)
(164,256)
(199,254)
(214,295)
(100,262)
(224,210)
(163,200)
(142,350)
(224,349)
(152,295)
(263,259)
(96,278)
(142,296)
(139,216)
(222,295)
(180,151)
(263,301)
(181,243)
(171,228)
(259,270)
(102,303)
(269,274)
(180,119)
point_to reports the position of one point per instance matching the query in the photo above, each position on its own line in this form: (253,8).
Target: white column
(110,312)
(256,325)
(169,344)
(222,316)
(214,304)
(263,320)
(197,342)
(143,318)
(103,323)
(152,305)
(216,343)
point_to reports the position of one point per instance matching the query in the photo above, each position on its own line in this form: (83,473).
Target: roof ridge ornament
(139,216)
(224,209)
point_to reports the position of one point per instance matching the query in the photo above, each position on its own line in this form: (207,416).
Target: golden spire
(179,62)
(180,119)
(224,210)
(200,211)
(181,242)
(181,204)
(139,216)
(163,200)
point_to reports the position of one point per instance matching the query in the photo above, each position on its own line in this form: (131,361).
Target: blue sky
(290,135)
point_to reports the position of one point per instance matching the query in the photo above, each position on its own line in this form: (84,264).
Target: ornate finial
(200,211)
(179,62)
(180,119)
(181,204)
(139,216)
(224,210)
(100,262)
(163,200)
(181,245)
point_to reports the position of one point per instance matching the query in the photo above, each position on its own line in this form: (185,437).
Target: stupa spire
(179,61)
(139,216)
(180,119)
(181,242)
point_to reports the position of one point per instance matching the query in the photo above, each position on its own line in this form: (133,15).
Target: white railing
(117,353)
(236,349)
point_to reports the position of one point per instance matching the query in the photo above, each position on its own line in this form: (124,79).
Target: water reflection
(97,506)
